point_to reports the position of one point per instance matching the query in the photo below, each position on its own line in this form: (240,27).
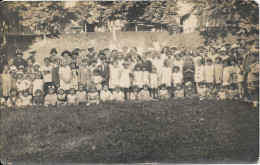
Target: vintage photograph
(123,82)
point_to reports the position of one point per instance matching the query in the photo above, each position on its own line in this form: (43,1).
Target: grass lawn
(172,131)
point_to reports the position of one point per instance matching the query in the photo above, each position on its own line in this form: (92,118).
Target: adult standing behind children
(18,60)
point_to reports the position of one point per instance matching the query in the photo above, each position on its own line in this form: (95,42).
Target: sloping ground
(172,131)
(141,40)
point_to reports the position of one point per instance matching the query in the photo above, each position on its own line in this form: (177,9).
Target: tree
(9,16)
(43,14)
(241,17)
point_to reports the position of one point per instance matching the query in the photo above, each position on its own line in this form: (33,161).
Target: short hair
(163,85)
(208,60)
(176,67)
(38,90)
(102,58)
(46,58)
(218,57)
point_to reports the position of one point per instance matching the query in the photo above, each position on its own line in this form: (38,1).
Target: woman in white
(65,75)
(138,76)
(114,75)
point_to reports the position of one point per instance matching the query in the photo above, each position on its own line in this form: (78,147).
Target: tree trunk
(4,33)
(114,31)
(86,27)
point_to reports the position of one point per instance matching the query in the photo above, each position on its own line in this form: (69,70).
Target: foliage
(43,14)
(241,17)
(167,131)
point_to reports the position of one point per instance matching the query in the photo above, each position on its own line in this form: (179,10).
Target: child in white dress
(118,95)
(166,76)
(21,83)
(51,98)
(114,75)
(71,97)
(97,80)
(209,71)
(138,79)
(179,62)
(218,72)
(93,96)
(134,94)
(124,81)
(177,76)
(26,99)
(14,100)
(222,94)
(179,91)
(226,73)
(105,94)
(145,76)
(154,82)
(74,79)
(81,95)
(65,75)
(62,97)
(164,93)
(240,76)
(144,95)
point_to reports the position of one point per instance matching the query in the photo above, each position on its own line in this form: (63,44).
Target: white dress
(146,78)
(226,75)
(166,76)
(199,73)
(177,78)
(37,84)
(66,73)
(180,64)
(74,81)
(138,78)
(240,77)
(124,81)
(105,95)
(154,80)
(209,73)
(114,77)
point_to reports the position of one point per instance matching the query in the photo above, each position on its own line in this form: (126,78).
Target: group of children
(227,72)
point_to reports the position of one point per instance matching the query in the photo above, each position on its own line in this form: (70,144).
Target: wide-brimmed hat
(223,49)
(201,46)
(174,47)
(53,50)
(18,51)
(65,51)
(75,53)
(234,46)
(91,48)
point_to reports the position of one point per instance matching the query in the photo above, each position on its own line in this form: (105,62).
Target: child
(189,90)
(178,61)
(177,76)
(105,94)
(61,97)
(6,82)
(164,93)
(202,90)
(114,75)
(144,95)
(85,74)
(55,73)
(30,77)
(21,83)
(233,68)
(14,100)
(71,97)
(226,73)
(26,99)
(166,76)
(37,82)
(2,102)
(209,71)
(74,79)
(93,97)
(240,76)
(11,63)
(232,92)
(154,82)
(145,76)
(222,94)
(218,72)
(188,71)
(81,95)
(51,98)
(47,74)
(199,75)
(93,65)
(124,81)
(118,95)
(211,91)
(253,78)
(179,92)
(38,99)
(36,67)
(138,76)
(134,94)
(65,75)
(97,80)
